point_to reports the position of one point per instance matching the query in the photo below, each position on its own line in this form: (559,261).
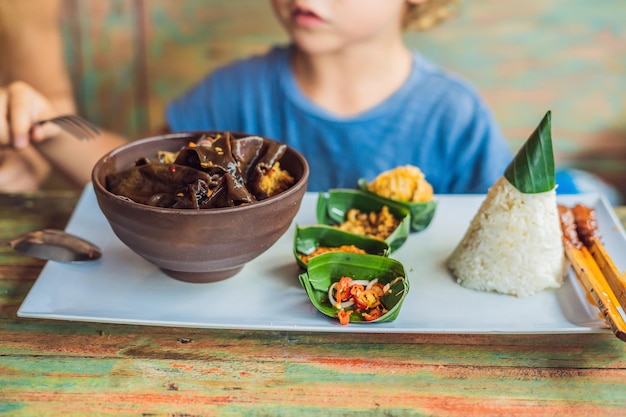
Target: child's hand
(20,107)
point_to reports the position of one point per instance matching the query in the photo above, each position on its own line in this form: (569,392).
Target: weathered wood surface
(61,368)
(130,57)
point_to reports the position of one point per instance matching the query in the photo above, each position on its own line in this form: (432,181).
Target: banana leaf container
(325,269)
(421,213)
(333,206)
(308,238)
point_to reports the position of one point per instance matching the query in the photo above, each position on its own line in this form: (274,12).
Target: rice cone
(513,244)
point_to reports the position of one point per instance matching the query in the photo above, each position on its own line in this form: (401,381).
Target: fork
(74,125)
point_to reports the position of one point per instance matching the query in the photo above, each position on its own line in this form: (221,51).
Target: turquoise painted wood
(533,56)
(62,368)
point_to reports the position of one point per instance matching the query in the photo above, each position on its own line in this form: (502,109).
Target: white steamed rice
(513,244)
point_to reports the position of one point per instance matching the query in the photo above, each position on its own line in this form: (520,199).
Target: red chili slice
(344,316)
(343,289)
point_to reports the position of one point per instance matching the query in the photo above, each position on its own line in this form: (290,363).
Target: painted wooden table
(59,368)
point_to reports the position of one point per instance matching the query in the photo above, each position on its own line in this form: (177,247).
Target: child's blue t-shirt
(435,121)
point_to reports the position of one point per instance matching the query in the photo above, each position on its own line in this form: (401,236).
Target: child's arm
(74,158)
(32,51)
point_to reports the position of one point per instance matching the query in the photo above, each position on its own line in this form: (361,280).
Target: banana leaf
(532,170)
(308,238)
(327,268)
(333,206)
(421,213)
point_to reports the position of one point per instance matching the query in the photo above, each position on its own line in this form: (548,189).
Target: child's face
(322,26)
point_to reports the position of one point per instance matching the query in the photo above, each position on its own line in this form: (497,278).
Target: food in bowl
(514,244)
(197,245)
(356,288)
(215,170)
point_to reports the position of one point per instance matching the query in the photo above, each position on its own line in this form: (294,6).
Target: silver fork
(74,125)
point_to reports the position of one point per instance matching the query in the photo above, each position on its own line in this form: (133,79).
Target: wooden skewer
(591,277)
(615,279)
(586,226)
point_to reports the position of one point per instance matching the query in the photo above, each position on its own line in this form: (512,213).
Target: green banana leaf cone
(532,170)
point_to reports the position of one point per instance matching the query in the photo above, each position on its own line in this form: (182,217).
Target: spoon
(56,245)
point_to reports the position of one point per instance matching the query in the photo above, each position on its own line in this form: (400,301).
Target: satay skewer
(590,275)
(587,228)
(616,281)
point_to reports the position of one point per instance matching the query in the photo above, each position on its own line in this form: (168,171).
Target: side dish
(311,241)
(407,186)
(580,228)
(325,249)
(212,172)
(593,266)
(365,214)
(376,224)
(362,297)
(356,288)
(406,183)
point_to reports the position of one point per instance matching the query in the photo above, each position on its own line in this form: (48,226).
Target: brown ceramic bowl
(196,245)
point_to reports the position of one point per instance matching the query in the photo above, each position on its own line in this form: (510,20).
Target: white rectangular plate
(266,295)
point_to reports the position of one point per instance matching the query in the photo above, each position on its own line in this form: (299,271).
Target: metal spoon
(56,245)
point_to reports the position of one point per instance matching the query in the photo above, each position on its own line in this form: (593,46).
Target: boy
(351,97)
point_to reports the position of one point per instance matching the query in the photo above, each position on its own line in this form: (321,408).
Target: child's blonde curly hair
(426,15)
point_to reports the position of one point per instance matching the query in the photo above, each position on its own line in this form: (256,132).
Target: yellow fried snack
(405,183)
(276,180)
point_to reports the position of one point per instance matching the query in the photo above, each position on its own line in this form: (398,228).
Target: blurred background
(128,58)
